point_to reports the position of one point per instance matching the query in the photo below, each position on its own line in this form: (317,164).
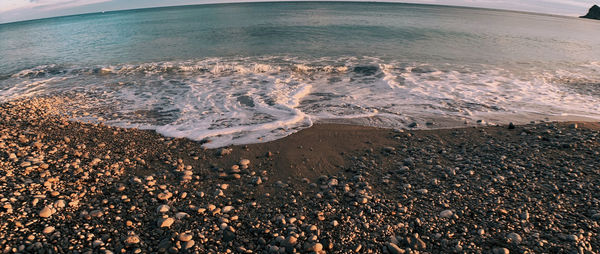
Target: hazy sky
(14,10)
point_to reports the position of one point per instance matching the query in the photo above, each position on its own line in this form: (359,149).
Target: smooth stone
(60,203)
(228,236)
(132,239)
(46,212)
(416,243)
(48,230)
(184,237)
(189,244)
(501,251)
(96,213)
(162,208)
(165,222)
(514,238)
(164,195)
(181,215)
(291,241)
(244,162)
(446,214)
(394,249)
(227,209)
(316,247)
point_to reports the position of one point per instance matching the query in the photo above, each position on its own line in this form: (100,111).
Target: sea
(245,73)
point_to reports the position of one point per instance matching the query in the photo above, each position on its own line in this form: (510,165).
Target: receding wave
(247,100)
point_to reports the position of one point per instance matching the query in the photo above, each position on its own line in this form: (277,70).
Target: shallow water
(245,73)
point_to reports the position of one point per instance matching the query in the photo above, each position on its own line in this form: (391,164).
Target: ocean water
(254,72)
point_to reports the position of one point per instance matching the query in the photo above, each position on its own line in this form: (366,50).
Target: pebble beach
(73,187)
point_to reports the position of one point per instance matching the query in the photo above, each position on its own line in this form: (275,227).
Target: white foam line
(195,134)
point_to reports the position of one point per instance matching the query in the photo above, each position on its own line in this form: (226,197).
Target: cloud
(44,5)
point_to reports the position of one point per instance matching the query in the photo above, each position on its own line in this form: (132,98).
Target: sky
(17,10)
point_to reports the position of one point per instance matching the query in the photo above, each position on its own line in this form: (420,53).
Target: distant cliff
(593,13)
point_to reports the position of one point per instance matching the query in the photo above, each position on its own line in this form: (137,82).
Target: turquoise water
(243,73)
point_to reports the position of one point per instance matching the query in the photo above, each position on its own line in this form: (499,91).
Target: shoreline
(71,186)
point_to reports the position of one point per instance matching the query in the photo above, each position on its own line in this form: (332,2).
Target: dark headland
(593,13)
(71,187)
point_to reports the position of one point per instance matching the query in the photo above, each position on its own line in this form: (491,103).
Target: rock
(446,214)
(290,241)
(514,238)
(164,195)
(96,213)
(389,149)
(413,125)
(225,151)
(97,243)
(572,238)
(525,215)
(256,180)
(165,222)
(394,249)
(244,162)
(500,251)
(228,236)
(593,13)
(481,231)
(416,243)
(181,215)
(316,247)
(189,244)
(511,126)
(184,237)
(162,209)
(48,230)
(132,239)
(60,203)
(46,212)
(227,209)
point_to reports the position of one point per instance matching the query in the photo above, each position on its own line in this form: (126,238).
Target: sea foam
(225,101)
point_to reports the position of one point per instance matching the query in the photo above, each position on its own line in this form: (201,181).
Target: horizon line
(235,2)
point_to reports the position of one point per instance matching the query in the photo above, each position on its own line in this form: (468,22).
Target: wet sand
(74,187)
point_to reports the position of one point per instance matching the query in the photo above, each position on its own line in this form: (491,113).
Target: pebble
(316,247)
(162,208)
(60,203)
(227,209)
(572,238)
(48,230)
(416,243)
(132,239)
(184,237)
(501,251)
(514,238)
(256,180)
(165,222)
(46,212)
(291,241)
(394,249)
(244,162)
(96,213)
(189,244)
(446,214)
(164,195)
(181,215)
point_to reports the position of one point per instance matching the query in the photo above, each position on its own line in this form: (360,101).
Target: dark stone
(228,236)
(511,126)
(593,13)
